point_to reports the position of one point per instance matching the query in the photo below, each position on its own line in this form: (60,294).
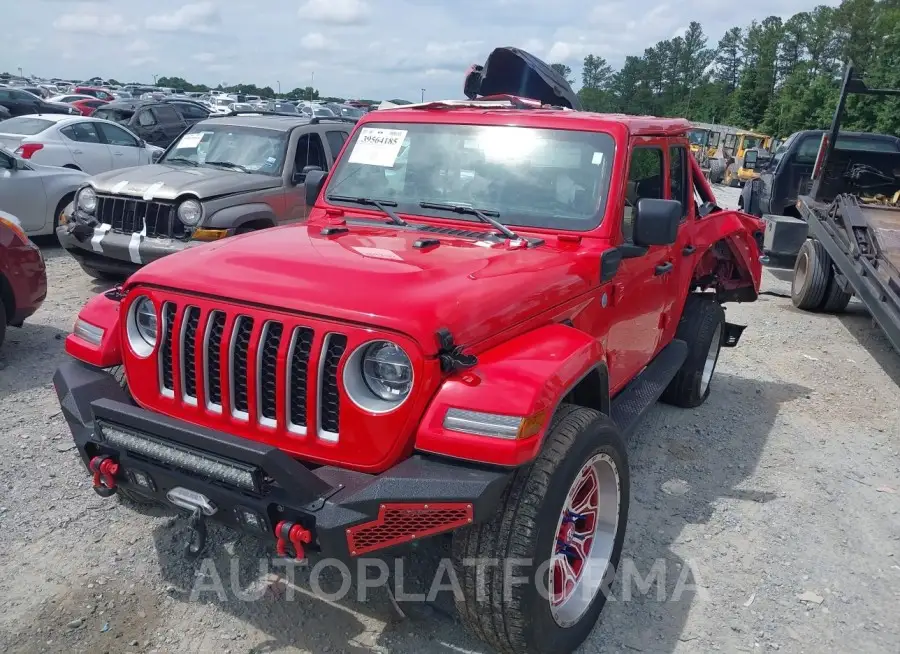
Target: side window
(146,119)
(310,153)
(22,96)
(167,115)
(807,150)
(335,142)
(645,180)
(5,95)
(116,135)
(81,132)
(678,178)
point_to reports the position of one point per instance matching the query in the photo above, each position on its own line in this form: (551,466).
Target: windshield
(528,176)
(698,136)
(251,149)
(752,142)
(24,125)
(116,115)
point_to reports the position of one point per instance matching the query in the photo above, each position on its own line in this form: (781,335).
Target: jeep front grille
(131,215)
(254,370)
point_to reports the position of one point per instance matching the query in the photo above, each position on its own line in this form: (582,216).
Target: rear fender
(526,377)
(101,311)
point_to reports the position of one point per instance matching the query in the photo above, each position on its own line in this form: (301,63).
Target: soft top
(511,71)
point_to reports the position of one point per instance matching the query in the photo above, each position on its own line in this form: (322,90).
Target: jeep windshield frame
(255,150)
(546,178)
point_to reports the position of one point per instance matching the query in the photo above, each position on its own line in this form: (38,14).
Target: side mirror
(302,175)
(751,158)
(656,221)
(315,180)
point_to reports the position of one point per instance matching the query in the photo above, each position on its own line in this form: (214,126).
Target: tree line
(775,76)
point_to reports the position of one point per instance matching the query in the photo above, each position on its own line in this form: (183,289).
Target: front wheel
(536,576)
(701,327)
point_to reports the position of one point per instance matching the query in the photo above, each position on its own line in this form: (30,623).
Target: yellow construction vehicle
(734,147)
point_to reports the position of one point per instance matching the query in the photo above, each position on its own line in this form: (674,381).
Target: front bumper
(114,252)
(348,513)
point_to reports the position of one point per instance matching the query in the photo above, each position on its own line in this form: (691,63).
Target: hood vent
(464,233)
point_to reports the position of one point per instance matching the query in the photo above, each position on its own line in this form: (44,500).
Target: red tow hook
(297,535)
(105,469)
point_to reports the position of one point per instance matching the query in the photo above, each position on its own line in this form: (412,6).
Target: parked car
(22,103)
(459,354)
(23,276)
(83,143)
(68,98)
(35,194)
(344,110)
(226,175)
(158,123)
(88,107)
(102,94)
(190,110)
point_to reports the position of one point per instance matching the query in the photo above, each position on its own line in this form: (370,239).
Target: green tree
(564,71)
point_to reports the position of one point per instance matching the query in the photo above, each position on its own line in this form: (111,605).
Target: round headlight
(87,199)
(387,371)
(143,326)
(190,212)
(378,376)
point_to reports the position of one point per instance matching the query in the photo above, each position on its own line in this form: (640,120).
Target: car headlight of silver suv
(378,376)
(142,326)
(190,212)
(87,200)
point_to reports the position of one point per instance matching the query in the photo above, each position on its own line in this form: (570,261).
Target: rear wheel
(836,298)
(701,327)
(3,319)
(60,208)
(812,275)
(558,535)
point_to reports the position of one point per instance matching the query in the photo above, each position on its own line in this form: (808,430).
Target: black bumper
(326,500)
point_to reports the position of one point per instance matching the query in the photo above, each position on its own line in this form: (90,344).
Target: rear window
(116,115)
(25,125)
(809,148)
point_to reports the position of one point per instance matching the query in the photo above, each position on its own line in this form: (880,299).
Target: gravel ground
(780,496)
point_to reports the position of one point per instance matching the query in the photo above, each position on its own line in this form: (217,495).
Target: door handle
(118,154)
(663,268)
(688,250)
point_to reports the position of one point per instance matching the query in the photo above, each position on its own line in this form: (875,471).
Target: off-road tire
(812,275)
(836,298)
(3,319)
(523,528)
(701,317)
(101,275)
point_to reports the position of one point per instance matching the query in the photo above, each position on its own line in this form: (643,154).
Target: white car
(93,145)
(70,97)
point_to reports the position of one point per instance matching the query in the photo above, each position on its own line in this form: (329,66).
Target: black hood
(511,71)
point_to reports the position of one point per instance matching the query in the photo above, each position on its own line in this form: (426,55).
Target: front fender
(739,231)
(234,217)
(101,311)
(525,377)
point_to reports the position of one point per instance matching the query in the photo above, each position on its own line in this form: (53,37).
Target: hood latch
(451,356)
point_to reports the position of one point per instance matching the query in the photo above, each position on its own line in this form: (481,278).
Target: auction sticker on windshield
(377,147)
(191,140)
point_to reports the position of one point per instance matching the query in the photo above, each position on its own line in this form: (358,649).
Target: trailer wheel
(812,274)
(535,577)
(836,298)
(701,326)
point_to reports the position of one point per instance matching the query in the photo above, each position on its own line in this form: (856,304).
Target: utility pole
(20,72)
(154,79)
(279,86)
(423,95)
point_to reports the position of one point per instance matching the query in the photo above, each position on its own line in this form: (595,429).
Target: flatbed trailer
(853,217)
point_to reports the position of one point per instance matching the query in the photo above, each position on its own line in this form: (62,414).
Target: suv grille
(253,370)
(131,215)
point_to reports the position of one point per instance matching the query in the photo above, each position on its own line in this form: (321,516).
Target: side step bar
(643,391)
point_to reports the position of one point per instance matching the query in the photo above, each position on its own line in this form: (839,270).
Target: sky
(348,48)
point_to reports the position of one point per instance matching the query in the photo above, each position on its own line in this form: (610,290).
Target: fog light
(142,479)
(251,519)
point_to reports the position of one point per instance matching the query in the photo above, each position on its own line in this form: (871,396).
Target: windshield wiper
(180,160)
(484,216)
(384,205)
(227,164)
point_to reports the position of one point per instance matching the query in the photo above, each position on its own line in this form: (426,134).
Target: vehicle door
(641,284)
(170,121)
(683,254)
(771,174)
(148,128)
(310,152)
(86,148)
(125,148)
(22,194)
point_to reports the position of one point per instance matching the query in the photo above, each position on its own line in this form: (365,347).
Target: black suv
(226,175)
(157,122)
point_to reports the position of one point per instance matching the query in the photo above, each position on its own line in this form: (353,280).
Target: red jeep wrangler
(487,296)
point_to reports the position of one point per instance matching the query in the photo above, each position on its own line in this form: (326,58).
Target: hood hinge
(451,356)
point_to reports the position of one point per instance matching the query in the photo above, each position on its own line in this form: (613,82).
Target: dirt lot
(780,495)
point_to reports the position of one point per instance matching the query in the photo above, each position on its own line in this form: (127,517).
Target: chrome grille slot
(329,396)
(167,381)
(136,215)
(266,365)
(298,372)
(237,359)
(212,361)
(188,358)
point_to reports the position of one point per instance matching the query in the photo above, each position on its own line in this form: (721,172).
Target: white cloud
(317,41)
(193,17)
(206,57)
(337,12)
(139,45)
(137,62)
(93,24)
